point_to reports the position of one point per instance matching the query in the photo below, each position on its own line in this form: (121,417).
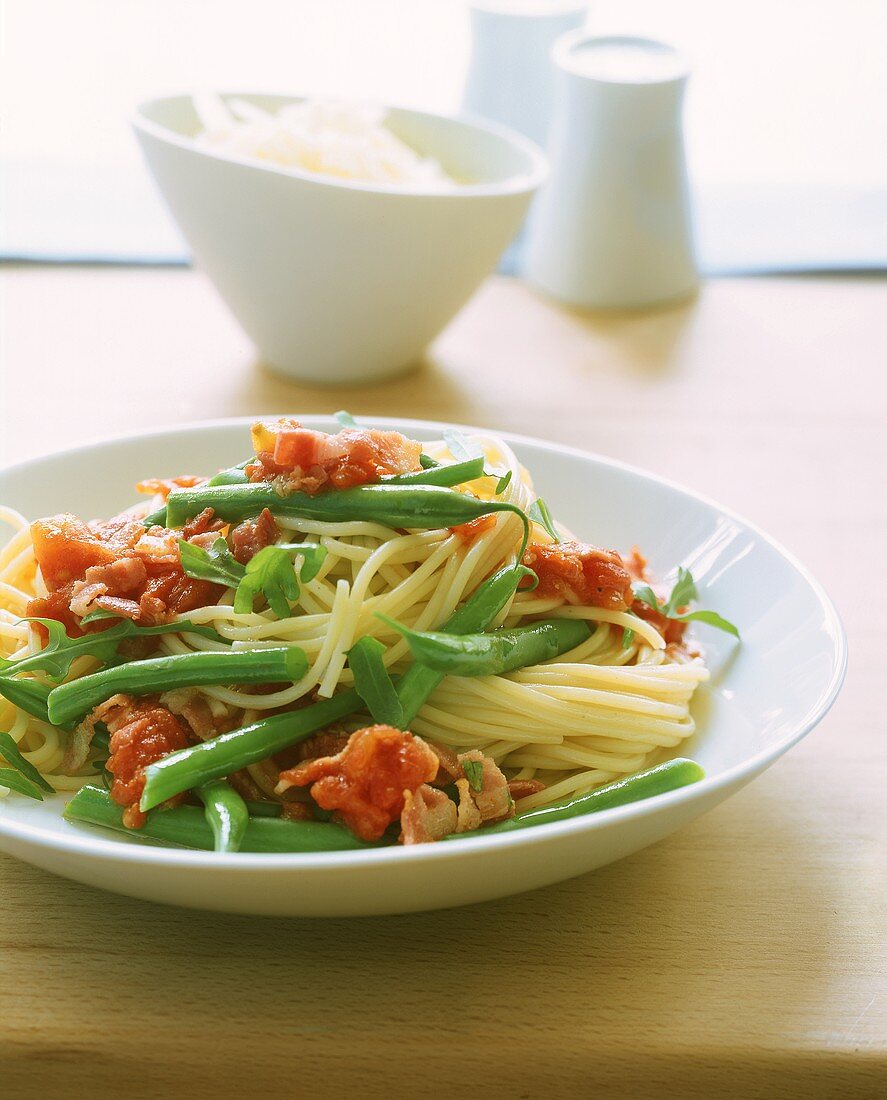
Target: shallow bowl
(764,696)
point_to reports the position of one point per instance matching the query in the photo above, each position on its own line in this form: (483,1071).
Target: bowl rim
(152,855)
(517,184)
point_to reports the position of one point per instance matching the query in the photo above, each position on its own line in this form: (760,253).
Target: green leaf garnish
(17,782)
(9,750)
(26,694)
(474,773)
(60,651)
(345,419)
(539,513)
(503,483)
(373,684)
(101,739)
(272,574)
(712,618)
(461,447)
(645,594)
(683,592)
(427,462)
(217,564)
(627,637)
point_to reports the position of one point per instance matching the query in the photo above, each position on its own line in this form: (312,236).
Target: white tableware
(765,695)
(338,281)
(612,228)
(510,77)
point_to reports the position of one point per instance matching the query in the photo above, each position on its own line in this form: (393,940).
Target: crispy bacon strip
(308,461)
(581,574)
(116,566)
(428,815)
(141,733)
(636,564)
(253,535)
(203,523)
(492,802)
(152,486)
(366,783)
(523,788)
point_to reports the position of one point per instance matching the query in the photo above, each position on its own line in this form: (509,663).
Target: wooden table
(744,956)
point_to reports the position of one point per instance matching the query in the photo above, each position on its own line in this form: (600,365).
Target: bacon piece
(581,574)
(636,564)
(492,802)
(118,578)
(297,811)
(366,782)
(141,733)
(201,524)
(163,486)
(246,786)
(523,788)
(193,706)
(253,535)
(308,460)
(469,531)
(671,630)
(158,549)
(328,742)
(449,769)
(97,564)
(427,815)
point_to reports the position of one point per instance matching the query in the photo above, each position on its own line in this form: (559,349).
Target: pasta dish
(347,640)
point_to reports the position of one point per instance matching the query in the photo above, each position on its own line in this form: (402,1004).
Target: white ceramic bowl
(338,281)
(764,695)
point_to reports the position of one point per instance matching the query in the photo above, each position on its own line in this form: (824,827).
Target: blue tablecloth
(53,212)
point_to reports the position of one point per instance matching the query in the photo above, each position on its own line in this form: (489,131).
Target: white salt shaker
(612,227)
(510,78)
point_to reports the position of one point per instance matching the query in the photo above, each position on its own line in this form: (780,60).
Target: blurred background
(786,110)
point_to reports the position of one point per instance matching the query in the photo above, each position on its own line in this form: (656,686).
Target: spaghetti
(615,704)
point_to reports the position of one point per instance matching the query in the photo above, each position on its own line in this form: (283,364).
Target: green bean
(476,614)
(225,812)
(156,519)
(11,753)
(373,683)
(495,653)
(182,770)
(665,777)
(28,695)
(453,473)
(234,475)
(264,809)
(252,666)
(229,752)
(412,506)
(187,827)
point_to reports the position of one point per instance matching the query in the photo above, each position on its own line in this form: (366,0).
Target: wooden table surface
(744,956)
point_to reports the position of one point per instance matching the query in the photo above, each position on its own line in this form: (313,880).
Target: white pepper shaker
(510,78)
(612,227)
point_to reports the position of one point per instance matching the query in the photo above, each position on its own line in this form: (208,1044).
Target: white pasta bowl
(337,281)
(764,695)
